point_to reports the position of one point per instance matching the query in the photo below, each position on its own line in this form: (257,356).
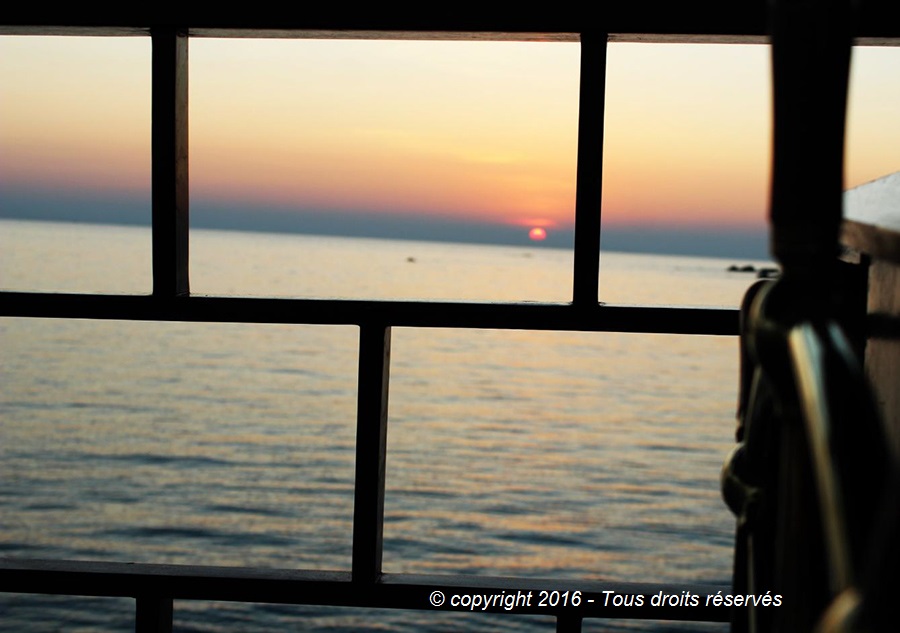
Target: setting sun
(537,234)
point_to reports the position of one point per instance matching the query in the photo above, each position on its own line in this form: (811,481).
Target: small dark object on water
(748,268)
(411,260)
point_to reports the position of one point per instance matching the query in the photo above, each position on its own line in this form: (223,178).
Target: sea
(510,453)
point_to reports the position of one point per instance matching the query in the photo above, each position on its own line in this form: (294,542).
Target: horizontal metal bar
(501,316)
(700,16)
(393,591)
(697,21)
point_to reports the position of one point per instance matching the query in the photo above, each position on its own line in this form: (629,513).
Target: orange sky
(481,130)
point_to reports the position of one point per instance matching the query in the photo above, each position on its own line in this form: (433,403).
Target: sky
(469,141)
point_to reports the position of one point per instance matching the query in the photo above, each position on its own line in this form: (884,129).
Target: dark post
(170,162)
(811,43)
(589,186)
(371,450)
(568,624)
(810,66)
(154,615)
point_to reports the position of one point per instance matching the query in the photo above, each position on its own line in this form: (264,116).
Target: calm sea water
(516,453)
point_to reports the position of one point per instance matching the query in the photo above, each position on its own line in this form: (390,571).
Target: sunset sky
(454,138)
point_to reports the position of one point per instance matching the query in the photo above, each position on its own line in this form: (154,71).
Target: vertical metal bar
(169,147)
(589,187)
(170,161)
(371,450)
(153,615)
(568,624)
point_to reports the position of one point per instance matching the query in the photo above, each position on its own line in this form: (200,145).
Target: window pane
(213,444)
(404,143)
(686,171)
(557,454)
(74,147)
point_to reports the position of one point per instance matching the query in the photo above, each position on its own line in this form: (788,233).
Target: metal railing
(155,587)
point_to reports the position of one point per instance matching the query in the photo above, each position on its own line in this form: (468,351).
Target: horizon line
(691,240)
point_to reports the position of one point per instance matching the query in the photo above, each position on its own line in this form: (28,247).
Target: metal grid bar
(568,624)
(501,316)
(170,161)
(331,588)
(371,451)
(156,586)
(589,189)
(737,21)
(153,614)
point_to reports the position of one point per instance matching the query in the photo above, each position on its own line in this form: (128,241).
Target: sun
(537,234)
